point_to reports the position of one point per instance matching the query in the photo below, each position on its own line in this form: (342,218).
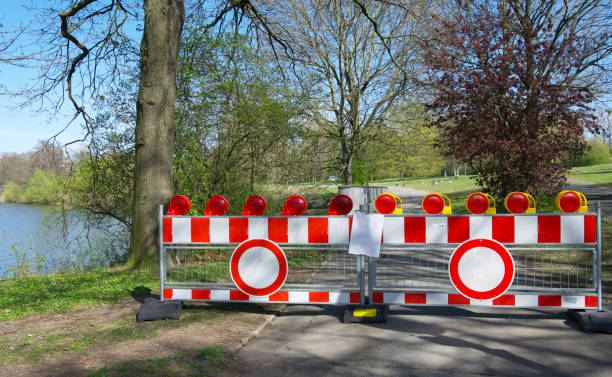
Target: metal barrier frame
(567,298)
(356,294)
(333,294)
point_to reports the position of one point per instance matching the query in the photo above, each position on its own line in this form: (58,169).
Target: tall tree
(405,146)
(88,49)
(231,116)
(512,81)
(154,141)
(353,59)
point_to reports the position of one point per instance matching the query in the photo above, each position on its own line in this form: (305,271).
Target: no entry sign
(481,269)
(258,267)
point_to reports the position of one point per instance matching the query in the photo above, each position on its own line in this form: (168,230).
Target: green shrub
(13,192)
(43,187)
(598,152)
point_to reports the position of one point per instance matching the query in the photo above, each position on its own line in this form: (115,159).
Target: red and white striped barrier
(292,297)
(397,230)
(481,269)
(565,301)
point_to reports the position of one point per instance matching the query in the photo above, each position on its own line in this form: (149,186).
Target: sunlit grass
(599,174)
(444,185)
(204,362)
(23,296)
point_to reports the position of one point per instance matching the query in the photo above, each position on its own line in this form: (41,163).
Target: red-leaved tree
(512,82)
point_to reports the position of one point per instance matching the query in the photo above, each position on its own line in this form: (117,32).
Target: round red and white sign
(258,267)
(481,269)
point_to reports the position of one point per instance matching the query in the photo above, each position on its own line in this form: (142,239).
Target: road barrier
(517,260)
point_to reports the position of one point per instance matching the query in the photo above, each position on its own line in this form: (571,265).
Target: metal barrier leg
(599,277)
(371,279)
(162,254)
(361,277)
(151,309)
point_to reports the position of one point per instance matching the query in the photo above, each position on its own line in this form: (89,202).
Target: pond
(43,239)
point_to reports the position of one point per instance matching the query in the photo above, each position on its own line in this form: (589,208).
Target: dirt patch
(81,341)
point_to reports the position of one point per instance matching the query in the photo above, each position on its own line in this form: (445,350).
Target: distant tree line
(33,177)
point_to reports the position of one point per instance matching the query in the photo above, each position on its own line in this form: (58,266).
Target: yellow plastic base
(369,312)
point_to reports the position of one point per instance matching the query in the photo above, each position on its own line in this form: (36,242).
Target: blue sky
(21,128)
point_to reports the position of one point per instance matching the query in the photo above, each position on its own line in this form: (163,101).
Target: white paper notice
(366,234)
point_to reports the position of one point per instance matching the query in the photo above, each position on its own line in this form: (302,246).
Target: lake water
(42,239)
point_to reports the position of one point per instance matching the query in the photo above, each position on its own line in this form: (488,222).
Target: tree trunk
(159,49)
(347,169)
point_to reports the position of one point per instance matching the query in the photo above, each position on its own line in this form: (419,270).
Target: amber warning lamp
(255,205)
(179,206)
(388,204)
(520,202)
(571,201)
(216,206)
(295,206)
(340,205)
(434,204)
(479,203)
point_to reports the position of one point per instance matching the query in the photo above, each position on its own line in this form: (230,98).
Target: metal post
(371,279)
(162,253)
(371,261)
(599,280)
(361,277)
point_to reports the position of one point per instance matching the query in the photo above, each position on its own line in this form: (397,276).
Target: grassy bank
(112,328)
(598,174)
(24,296)
(203,362)
(444,185)
(90,311)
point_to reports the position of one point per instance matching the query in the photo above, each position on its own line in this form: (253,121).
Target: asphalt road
(594,194)
(426,341)
(411,198)
(430,341)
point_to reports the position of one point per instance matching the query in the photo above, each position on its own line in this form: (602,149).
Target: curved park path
(595,193)
(430,341)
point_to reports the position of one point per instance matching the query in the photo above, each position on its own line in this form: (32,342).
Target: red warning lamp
(295,206)
(340,205)
(385,204)
(216,206)
(520,202)
(571,201)
(179,206)
(478,203)
(388,204)
(255,205)
(434,204)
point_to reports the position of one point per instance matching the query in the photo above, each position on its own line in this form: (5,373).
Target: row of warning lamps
(387,203)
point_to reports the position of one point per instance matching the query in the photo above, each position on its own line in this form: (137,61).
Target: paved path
(594,193)
(430,341)
(426,341)
(411,198)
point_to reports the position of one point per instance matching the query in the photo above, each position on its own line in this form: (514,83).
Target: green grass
(204,362)
(442,185)
(599,174)
(33,346)
(24,296)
